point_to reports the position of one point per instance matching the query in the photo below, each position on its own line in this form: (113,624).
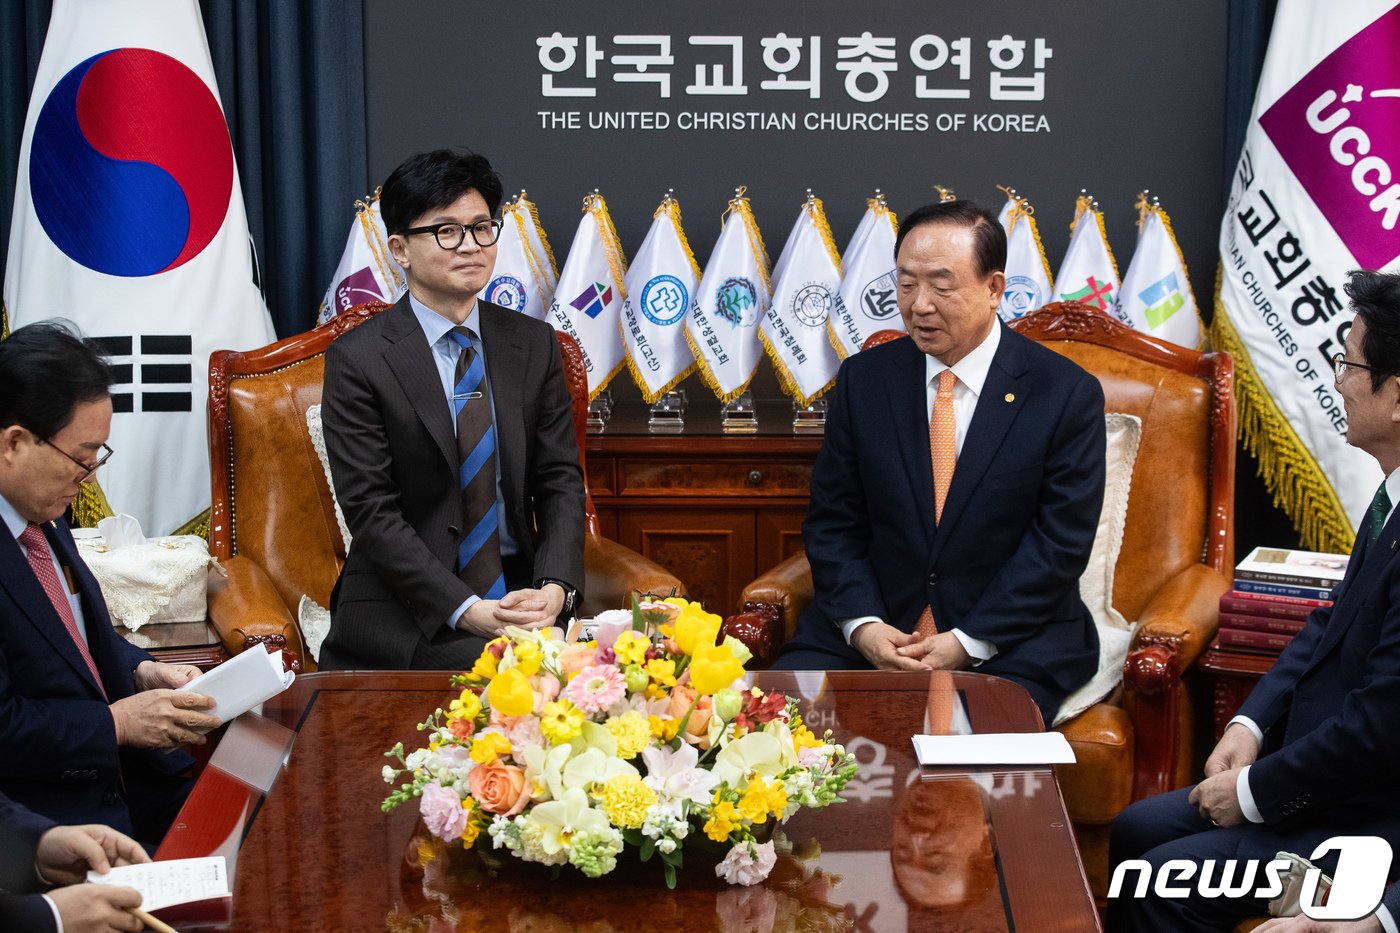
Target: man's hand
(941,652)
(1237,748)
(1301,924)
(525,608)
(880,643)
(66,853)
(97,908)
(162,718)
(151,675)
(1217,800)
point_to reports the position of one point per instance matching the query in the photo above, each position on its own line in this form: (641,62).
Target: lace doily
(163,580)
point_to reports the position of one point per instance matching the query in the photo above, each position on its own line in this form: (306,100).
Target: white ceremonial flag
(1028,282)
(367,271)
(662,285)
(722,326)
(129,222)
(1156,296)
(524,278)
(866,302)
(587,302)
(1088,272)
(1313,197)
(794,329)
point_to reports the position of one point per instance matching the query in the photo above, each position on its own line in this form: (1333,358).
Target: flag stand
(599,411)
(738,416)
(667,415)
(809,419)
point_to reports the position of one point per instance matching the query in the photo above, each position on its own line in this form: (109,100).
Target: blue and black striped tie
(479,553)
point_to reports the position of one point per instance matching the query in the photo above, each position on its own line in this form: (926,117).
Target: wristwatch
(570,595)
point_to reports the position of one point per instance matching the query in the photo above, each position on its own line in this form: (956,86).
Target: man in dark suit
(451,442)
(1386,919)
(35,853)
(87,721)
(956,495)
(1315,749)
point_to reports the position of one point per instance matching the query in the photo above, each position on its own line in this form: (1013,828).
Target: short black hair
(990,246)
(435,179)
(46,371)
(1375,297)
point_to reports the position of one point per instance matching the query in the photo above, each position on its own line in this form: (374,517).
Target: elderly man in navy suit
(88,722)
(956,495)
(1315,749)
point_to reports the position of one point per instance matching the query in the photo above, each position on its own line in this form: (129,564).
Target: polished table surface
(988,849)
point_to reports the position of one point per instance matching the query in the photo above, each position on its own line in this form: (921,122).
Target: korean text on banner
(524,278)
(661,289)
(1028,282)
(866,302)
(367,270)
(804,289)
(587,302)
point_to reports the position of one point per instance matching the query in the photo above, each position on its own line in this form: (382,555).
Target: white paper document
(177,881)
(1006,748)
(243,682)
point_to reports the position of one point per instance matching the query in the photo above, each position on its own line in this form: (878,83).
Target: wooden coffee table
(911,849)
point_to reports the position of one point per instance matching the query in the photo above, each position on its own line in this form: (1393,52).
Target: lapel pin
(1010,396)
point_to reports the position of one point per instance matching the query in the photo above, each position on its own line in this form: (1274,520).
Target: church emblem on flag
(1022,296)
(593,299)
(664,300)
(1163,298)
(130,167)
(812,304)
(356,289)
(507,291)
(1095,292)
(877,300)
(737,301)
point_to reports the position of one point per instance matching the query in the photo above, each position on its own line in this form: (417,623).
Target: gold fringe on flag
(4,322)
(617,265)
(529,205)
(91,506)
(1144,208)
(878,205)
(1290,472)
(518,211)
(740,205)
(786,381)
(672,209)
(1021,207)
(377,246)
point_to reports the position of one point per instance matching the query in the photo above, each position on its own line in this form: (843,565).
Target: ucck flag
(524,278)
(129,222)
(587,302)
(866,302)
(662,286)
(722,326)
(1156,296)
(1088,272)
(805,286)
(367,271)
(1316,193)
(1028,283)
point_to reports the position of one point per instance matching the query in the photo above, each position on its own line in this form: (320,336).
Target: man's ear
(10,438)
(997,283)
(398,248)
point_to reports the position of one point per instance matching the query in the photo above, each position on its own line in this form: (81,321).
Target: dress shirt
(445,351)
(971,372)
(1242,791)
(17,523)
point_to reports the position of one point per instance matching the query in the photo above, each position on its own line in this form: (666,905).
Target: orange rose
(574,659)
(498,787)
(697,731)
(682,695)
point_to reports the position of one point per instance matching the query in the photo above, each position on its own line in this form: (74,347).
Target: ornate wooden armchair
(273,524)
(1175,562)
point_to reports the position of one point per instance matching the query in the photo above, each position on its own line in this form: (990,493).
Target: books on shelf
(1261,604)
(1303,569)
(1276,589)
(1262,642)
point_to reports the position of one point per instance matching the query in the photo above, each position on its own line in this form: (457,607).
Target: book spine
(1287,579)
(1279,607)
(1251,623)
(1281,589)
(1270,642)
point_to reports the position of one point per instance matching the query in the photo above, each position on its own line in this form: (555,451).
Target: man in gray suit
(451,443)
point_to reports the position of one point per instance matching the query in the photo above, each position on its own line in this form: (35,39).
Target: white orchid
(755,753)
(560,820)
(544,771)
(675,777)
(593,767)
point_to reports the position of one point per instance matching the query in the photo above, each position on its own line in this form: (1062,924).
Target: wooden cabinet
(715,510)
(1232,675)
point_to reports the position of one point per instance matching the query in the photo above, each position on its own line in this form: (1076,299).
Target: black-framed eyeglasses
(1340,364)
(87,468)
(452,235)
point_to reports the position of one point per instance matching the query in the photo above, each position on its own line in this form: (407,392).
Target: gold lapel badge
(1010,396)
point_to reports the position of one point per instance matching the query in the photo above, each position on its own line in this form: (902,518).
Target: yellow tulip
(712,669)
(696,629)
(510,693)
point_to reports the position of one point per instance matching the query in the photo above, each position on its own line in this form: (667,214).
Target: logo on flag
(593,299)
(1096,293)
(507,291)
(664,300)
(130,166)
(812,304)
(1163,298)
(877,300)
(359,287)
(1023,295)
(737,302)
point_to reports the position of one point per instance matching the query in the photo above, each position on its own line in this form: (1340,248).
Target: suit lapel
(411,360)
(505,363)
(908,399)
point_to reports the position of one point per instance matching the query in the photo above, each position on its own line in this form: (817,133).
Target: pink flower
(747,863)
(442,812)
(809,757)
(546,688)
(575,658)
(596,688)
(522,731)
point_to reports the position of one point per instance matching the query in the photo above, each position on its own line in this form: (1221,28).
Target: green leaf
(639,624)
(671,876)
(646,849)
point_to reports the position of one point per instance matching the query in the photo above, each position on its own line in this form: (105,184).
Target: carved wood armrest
(247,610)
(760,627)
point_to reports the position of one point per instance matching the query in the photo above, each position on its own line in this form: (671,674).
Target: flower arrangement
(644,736)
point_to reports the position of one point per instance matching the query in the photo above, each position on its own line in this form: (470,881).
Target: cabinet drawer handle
(755,477)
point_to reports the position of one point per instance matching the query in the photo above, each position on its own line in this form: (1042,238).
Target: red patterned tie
(41,562)
(943,451)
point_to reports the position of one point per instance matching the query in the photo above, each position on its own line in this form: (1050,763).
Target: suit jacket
(1330,706)
(20,830)
(1018,524)
(58,744)
(392,448)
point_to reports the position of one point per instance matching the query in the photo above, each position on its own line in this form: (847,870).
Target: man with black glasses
(451,443)
(88,722)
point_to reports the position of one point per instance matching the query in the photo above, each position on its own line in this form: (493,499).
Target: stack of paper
(237,686)
(165,884)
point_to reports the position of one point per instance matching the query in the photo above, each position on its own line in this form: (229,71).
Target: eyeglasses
(451,236)
(1340,364)
(87,468)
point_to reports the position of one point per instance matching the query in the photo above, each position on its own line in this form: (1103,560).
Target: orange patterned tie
(943,450)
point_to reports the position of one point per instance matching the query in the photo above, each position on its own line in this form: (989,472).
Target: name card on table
(1006,748)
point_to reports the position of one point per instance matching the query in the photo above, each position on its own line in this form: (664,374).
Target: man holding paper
(88,722)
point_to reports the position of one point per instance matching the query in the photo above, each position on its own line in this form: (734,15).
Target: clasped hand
(524,608)
(890,649)
(158,716)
